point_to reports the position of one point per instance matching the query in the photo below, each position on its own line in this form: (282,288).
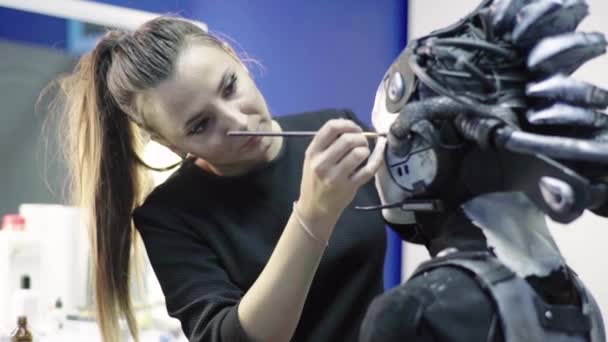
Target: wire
(475,107)
(473,70)
(476,44)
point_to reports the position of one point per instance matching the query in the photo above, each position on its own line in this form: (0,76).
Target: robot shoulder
(444,304)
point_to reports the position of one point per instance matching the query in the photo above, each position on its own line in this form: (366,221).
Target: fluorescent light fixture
(88,11)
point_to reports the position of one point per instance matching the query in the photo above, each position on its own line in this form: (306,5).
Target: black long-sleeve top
(209,237)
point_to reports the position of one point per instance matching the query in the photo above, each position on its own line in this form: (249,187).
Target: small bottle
(58,314)
(25,302)
(21,333)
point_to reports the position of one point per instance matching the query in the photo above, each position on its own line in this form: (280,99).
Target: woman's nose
(234,119)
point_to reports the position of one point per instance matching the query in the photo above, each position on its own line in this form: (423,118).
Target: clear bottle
(25,302)
(21,333)
(58,315)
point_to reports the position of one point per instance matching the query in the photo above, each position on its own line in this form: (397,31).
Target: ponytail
(103,143)
(106,181)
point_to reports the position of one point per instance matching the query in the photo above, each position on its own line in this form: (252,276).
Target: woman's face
(209,94)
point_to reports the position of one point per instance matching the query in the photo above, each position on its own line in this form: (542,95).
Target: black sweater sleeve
(199,292)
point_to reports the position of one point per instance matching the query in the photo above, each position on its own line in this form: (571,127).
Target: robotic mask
(487,105)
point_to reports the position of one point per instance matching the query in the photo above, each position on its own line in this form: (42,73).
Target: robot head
(493,89)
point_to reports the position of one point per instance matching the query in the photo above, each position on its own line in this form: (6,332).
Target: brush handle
(294,134)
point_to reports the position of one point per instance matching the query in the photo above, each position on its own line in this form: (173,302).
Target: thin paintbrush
(295,134)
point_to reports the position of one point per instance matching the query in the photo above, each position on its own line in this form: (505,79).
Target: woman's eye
(200,126)
(230,88)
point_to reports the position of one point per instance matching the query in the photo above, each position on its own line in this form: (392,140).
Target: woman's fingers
(342,171)
(335,167)
(353,168)
(342,146)
(375,160)
(330,131)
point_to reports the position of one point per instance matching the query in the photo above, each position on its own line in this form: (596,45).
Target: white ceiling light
(87,11)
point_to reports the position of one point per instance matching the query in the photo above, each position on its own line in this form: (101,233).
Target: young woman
(252,239)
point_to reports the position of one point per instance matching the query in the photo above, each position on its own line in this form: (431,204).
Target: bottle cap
(25,282)
(13,222)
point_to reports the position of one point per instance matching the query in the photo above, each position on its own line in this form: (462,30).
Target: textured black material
(568,318)
(523,314)
(507,61)
(444,301)
(445,304)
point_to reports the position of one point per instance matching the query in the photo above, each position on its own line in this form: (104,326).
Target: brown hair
(101,116)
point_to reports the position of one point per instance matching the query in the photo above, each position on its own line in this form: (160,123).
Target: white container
(53,251)
(19,256)
(63,254)
(4,285)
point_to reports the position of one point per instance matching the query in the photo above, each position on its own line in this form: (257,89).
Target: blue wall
(31,28)
(316,54)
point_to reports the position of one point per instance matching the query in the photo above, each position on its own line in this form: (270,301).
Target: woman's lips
(251,143)
(254,141)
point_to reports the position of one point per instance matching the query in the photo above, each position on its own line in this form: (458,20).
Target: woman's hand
(333,172)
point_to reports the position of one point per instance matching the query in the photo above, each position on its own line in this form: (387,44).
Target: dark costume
(487,134)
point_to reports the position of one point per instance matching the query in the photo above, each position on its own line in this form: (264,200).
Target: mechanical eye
(396,87)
